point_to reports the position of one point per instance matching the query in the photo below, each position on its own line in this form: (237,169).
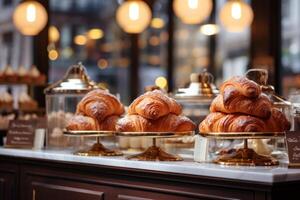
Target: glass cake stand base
(154,153)
(98,149)
(244,156)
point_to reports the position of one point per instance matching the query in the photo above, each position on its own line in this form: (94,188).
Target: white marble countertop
(267,175)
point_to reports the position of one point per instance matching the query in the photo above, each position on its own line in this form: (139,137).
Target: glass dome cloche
(62,98)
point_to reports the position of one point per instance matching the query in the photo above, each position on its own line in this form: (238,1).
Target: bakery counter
(54,174)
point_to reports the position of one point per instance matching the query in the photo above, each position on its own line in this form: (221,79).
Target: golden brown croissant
(220,122)
(239,86)
(171,122)
(99,104)
(154,104)
(260,107)
(277,122)
(109,123)
(82,123)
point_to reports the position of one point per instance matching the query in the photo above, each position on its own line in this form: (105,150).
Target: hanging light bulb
(236,15)
(192,11)
(30,17)
(133,16)
(53,34)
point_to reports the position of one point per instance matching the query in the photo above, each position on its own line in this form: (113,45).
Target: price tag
(293,147)
(201,149)
(21,134)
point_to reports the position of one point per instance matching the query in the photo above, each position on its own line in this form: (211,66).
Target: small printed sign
(293,147)
(21,134)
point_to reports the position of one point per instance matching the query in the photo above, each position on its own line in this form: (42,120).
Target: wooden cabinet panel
(43,191)
(8,182)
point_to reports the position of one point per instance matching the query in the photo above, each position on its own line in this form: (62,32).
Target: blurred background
(170,46)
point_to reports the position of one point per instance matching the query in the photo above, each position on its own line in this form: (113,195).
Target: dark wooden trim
(265,47)
(212,43)
(170,47)
(40,57)
(134,67)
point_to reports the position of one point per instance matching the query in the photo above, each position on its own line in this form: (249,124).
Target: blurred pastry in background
(36,76)
(5,119)
(25,102)
(10,74)
(23,75)
(6,101)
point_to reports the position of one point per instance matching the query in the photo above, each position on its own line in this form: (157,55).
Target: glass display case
(62,98)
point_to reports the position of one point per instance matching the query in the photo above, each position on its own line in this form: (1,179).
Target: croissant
(277,122)
(82,123)
(220,122)
(154,104)
(109,123)
(99,104)
(239,86)
(171,122)
(260,107)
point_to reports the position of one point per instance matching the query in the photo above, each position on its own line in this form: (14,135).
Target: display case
(62,98)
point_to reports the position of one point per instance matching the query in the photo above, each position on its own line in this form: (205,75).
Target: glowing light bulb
(236,11)
(133,16)
(31,13)
(193,4)
(161,82)
(134,11)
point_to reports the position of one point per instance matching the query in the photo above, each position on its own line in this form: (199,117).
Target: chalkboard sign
(21,133)
(293,147)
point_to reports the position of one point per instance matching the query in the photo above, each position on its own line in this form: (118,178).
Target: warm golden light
(236,15)
(95,34)
(53,54)
(154,41)
(53,34)
(133,16)
(30,17)
(80,40)
(192,11)
(209,29)
(161,82)
(102,63)
(157,23)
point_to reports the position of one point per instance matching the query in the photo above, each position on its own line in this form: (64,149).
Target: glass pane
(290,45)
(88,33)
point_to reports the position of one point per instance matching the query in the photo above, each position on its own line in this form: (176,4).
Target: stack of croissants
(240,107)
(153,111)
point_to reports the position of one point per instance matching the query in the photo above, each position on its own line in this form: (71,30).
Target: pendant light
(30,17)
(192,11)
(133,16)
(236,15)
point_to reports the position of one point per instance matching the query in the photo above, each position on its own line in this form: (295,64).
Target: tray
(242,135)
(155,134)
(89,133)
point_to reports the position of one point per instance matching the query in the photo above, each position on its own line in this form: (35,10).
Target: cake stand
(154,153)
(244,156)
(98,149)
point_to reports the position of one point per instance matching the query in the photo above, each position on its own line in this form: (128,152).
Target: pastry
(99,104)
(153,105)
(6,101)
(277,122)
(10,75)
(23,75)
(36,76)
(220,122)
(170,122)
(259,107)
(239,86)
(79,122)
(109,123)
(26,102)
